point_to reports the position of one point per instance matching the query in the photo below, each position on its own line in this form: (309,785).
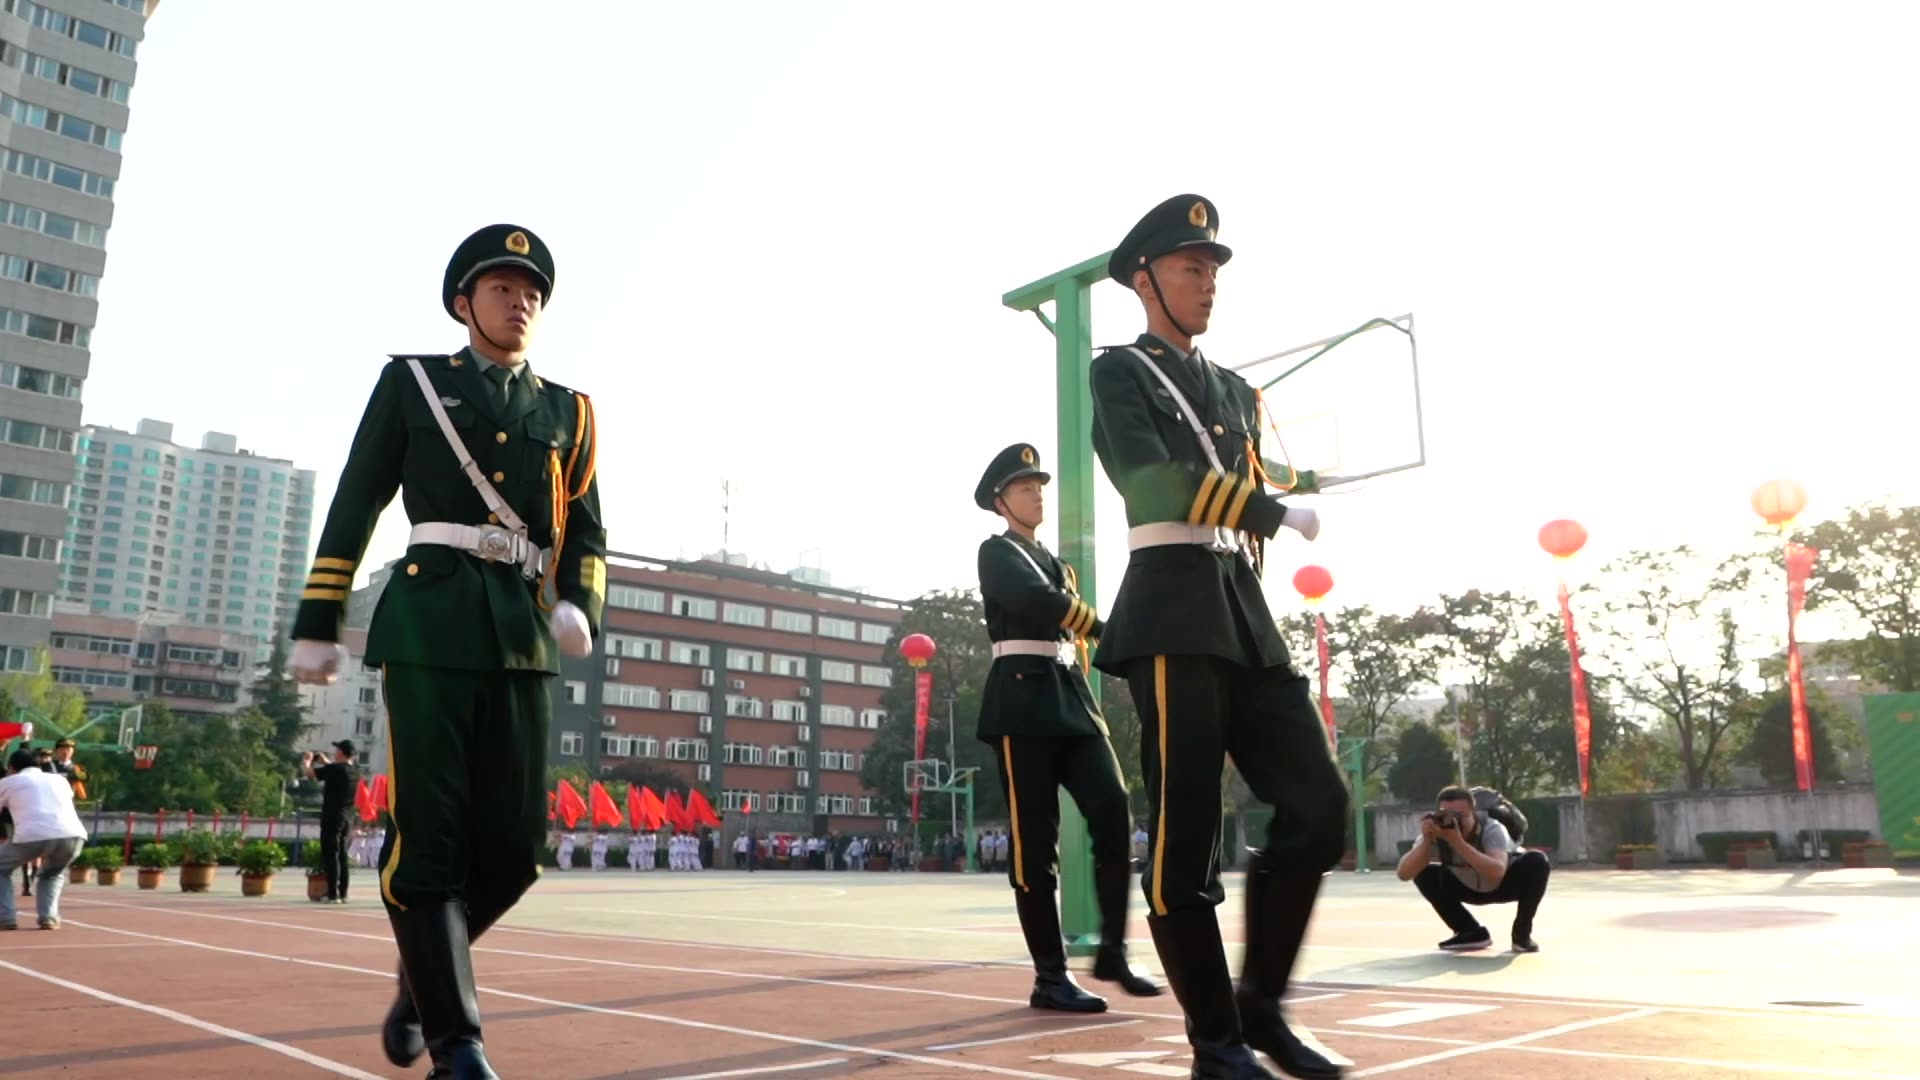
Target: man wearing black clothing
(337,779)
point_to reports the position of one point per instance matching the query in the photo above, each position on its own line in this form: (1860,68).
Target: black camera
(1446,819)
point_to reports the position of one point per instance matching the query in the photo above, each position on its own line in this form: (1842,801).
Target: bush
(1834,839)
(310,857)
(261,858)
(153,856)
(1714,845)
(101,858)
(197,847)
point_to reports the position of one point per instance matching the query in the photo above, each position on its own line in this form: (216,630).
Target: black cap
(490,249)
(345,746)
(63,744)
(1008,465)
(1183,221)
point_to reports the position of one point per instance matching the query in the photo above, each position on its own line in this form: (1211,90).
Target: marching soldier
(505,570)
(1038,713)
(1191,633)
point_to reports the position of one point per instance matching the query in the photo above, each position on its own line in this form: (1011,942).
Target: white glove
(570,631)
(317,662)
(1302,520)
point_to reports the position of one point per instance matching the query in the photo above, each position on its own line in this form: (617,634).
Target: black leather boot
(400,1036)
(1188,942)
(1111,884)
(1279,906)
(439,971)
(1053,987)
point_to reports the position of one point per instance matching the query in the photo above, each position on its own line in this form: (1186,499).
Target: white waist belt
(1060,652)
(1168,533)
(489,542)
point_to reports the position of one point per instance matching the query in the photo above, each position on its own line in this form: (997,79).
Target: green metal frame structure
(1070,292)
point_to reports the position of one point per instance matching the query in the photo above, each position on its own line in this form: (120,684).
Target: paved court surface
(1660,975)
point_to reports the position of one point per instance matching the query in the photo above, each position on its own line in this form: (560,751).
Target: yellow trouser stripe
(393,797)
(1013,813)
(333,564)
(1199,506)
(1160,827)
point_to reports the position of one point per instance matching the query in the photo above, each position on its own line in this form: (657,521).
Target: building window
(22,602)
(739,659)
(836,715)
(872,718)
(48,276)
(629,696)
(639,648)
(576,692)
(626,596)
(689,701)
(683,653)
(791,712)
(876,633)
(34,219)
(57,174)
(793,622)
(41,328)
(35,381)
(686,749)
(14,545)
(793,666)
(836,671)
(37,436)
(73,127)
(866,810)
(45,492)
(745,614)
(572,743)
(746,706)
(875,676)
(837,628)
(694,607)
(16,658)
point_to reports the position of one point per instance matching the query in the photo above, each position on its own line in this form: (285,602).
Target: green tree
(1667,628)
(1378,661)
(1769,743)
(277,697)
(1423,763)
(45,701)
(1869,566)
(222,763)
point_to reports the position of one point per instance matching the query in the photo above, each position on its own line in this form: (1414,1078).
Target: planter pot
(316,886)
(77,875)
(255,884)
(197,878)
(110,877)
(1761,859)
(150,877)
(1636,860)
(1859,856)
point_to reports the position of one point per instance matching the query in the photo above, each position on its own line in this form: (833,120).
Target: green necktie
(502,377)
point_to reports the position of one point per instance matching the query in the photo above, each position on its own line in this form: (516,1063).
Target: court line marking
(1745,1066)
(1768,1011)
(297,1054)
(1502,1044)
(1033,1035)
(702,1025)
(763,1069)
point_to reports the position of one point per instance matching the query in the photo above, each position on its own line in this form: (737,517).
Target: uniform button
(499,476)
(412,569)
(500,437)
(1218,430)
(555,444)
(493,519)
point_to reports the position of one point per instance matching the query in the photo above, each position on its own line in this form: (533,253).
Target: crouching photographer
(1467,854)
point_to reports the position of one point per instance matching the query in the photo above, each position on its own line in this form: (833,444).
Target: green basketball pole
(1072,328)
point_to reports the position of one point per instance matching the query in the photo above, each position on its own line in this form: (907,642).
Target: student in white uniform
(599,858)
(636,845)
(565,856)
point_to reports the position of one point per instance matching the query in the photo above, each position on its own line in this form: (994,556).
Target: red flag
(701,810)
(382,795)
(655,809)
(605,812)
(636,809)
(1326,700)
(570,805)
(922,701)
(676,813)
(1582,712)
(363,801)
(1800,560)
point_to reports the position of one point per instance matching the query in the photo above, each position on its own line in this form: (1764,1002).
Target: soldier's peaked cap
(490,249)
(1183,221)
(1013,463)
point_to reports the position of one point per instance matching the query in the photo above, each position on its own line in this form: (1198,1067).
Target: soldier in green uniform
(1039,715)
(1191,634)
(505,570)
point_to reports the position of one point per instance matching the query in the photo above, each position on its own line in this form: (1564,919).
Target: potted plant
(1636,857)
(1862,854)
(199,858)
(153,860)
(106,864)
(257,862)
(316,873)
(77,869)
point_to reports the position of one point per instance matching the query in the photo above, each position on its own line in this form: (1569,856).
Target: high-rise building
(215,533)
(66,73)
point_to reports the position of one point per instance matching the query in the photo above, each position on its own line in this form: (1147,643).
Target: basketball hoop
(143,756)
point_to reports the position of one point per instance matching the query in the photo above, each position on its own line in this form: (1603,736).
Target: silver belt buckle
(1065,653)
(496,544)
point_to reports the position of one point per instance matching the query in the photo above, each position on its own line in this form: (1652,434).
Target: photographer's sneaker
(1523,942)
(1467,941)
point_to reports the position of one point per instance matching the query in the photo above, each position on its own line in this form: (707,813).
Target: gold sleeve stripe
(1087,619)
(319,577)
(1223,494)
(1240,503)
(1197,511)
(336,595)
(593,572)
(1075,606)
(333,564)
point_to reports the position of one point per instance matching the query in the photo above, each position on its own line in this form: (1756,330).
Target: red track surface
(170,987)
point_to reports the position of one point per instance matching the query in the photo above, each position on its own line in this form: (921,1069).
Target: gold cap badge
(1198,215)
(1026,454)
(517,243)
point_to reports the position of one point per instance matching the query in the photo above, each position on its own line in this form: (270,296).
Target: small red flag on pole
(1800,560)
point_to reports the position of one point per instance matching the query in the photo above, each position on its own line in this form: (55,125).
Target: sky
(1656,254)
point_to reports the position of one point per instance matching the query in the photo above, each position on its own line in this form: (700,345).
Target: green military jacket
(445,607)
(1184,600)
(1034,695)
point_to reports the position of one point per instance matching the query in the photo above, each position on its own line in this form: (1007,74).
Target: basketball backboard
(924,774)
(1346,407)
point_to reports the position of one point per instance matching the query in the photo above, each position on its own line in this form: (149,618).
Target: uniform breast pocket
(542,436)
(1169,415)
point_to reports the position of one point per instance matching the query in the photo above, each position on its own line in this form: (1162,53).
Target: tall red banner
(1800,560)
(922,702)
(1326,699)
(1582,712)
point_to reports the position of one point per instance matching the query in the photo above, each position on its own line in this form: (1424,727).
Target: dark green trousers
(466,784)
(1033,769)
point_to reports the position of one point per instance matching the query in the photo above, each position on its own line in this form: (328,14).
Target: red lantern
(917,649)
(1312,582)
(1562,539)
(1779,501)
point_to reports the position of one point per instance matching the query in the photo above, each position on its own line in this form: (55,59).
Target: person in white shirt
(564,858)
(45,827)
(599,859)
